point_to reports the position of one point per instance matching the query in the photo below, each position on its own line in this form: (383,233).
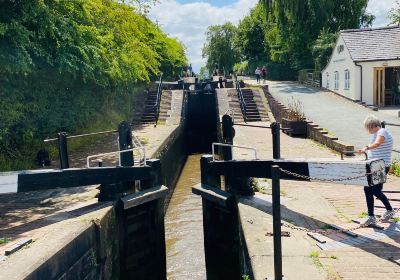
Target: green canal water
(184,227)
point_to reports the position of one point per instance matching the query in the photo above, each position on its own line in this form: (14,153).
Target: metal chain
(287,172)
(329,231)
(321,231)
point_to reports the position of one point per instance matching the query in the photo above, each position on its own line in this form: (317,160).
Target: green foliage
(323,48)
(294,35)
(394,14)
(395,168)
(242,68)
(204,73)
(286,35)
(65,64)
(250,39)
(4,240)
(219,49)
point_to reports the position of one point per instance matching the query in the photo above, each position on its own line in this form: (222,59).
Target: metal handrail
(83,135)
(116,152)
(157,104)
(241,100)
(233,146)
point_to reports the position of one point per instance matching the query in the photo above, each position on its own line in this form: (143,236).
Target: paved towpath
(309,205)
(341,117)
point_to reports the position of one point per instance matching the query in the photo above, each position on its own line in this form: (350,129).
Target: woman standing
(258,74)
(380,147)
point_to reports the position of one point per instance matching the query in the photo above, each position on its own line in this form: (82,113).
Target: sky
(188,20)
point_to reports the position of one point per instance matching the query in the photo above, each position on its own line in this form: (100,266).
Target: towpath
(310,205)
(341,117)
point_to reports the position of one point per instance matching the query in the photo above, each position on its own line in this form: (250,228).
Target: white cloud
(189,22)
(381,8)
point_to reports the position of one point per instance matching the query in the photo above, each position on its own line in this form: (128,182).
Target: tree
(219,49)
(250,36)
(323,48)
(394,14)
(64,64)
(294,26)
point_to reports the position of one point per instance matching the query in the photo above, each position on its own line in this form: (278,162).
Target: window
(327,80)
(336,80)
(346,79)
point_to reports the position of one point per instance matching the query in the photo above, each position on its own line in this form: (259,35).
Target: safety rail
(232,146)
(143,150)
(126,140)
(158,101)
(241,100)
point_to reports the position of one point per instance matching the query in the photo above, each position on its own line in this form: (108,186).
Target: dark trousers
(376,190)
(258,78)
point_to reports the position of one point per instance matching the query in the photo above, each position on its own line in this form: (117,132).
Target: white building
(365,66)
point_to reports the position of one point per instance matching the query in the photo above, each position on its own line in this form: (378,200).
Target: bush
(65,65)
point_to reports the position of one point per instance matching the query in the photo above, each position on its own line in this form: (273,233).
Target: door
(379,86)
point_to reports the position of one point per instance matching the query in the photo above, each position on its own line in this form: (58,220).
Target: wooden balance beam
(34,180)
(348,172)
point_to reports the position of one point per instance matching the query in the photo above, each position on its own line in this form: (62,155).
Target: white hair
(371,121)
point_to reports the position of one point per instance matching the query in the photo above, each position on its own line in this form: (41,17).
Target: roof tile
(373,44)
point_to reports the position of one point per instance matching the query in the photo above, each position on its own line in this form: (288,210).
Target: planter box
(298,128)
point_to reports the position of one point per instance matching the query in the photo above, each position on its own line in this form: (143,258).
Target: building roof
(373,44)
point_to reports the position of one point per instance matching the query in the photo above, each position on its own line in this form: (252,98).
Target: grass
(396,219)
(363,215)
(25,157)
(245,277)
(144,140)
(342,215)
(326,227)
(314,255)
(255,185)
(4,240)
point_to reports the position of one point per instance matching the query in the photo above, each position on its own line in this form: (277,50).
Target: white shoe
(388,215)
(370,221)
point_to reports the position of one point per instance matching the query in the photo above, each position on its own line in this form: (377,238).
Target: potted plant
(294,119)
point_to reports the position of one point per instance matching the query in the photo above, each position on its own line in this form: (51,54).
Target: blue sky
(219,3)
(188,20)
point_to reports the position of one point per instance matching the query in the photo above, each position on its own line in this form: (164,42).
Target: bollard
(125,143)
(276,213)
(220,82)
(62,150)
(235,185)
(228,133)
(276,140)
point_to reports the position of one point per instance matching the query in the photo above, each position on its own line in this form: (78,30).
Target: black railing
(241,100)
(158,101)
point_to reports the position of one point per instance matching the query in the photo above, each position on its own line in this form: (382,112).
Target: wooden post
(62,150)
(276,140)
(235,185)
(125,143)
(276,213)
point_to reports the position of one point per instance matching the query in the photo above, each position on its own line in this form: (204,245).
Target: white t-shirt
(384,151)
